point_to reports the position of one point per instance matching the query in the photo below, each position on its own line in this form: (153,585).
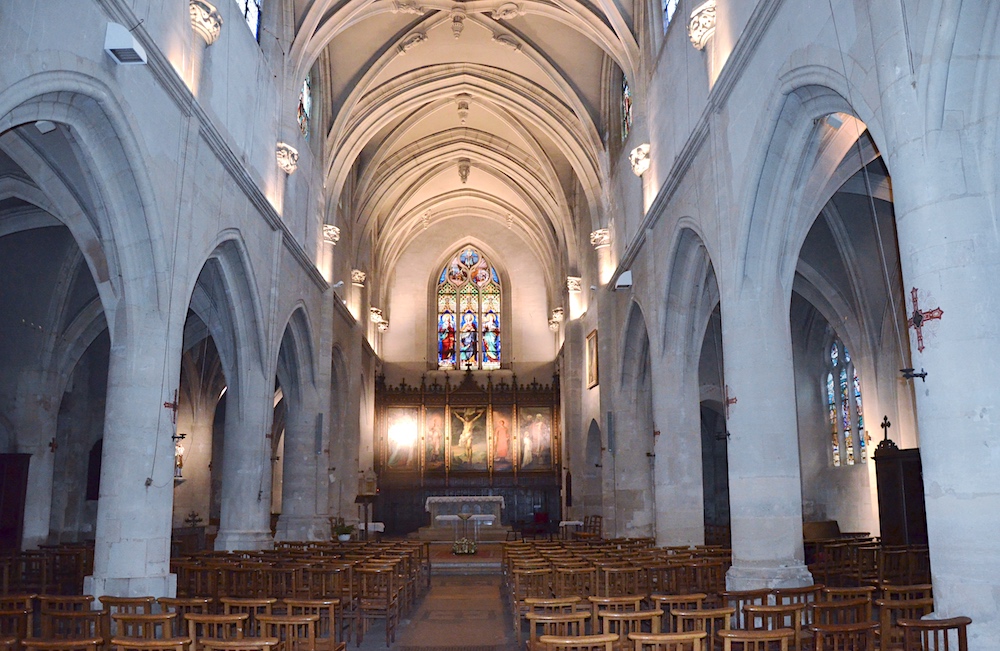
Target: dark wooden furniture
(900,495)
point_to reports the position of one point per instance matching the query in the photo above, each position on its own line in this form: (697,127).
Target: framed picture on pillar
(592,360)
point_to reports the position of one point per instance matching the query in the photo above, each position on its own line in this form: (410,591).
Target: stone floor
(462,611)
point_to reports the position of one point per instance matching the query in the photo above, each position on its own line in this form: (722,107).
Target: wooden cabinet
(13,488)
(900,495)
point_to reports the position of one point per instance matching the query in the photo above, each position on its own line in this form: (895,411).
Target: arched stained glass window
(251,13)
(305,106)
(669,7)
(626,108)
(468,312)
(844,408)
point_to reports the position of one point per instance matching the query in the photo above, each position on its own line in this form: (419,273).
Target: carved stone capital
(507,10)
(358,277)
(383,325)
(411,41)
(507,41)
(702,25)
(600,238)
(407,7)
(553,325)
(375,314)
(288,157)
(464,166)
(574,284)
(558,314)
(331,234)
(639,159)
(206,21)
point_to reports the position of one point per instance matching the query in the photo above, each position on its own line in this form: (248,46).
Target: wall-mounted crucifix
(918,317)
(729,401)
(172,406)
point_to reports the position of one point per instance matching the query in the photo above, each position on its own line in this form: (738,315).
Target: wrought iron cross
(172,406)
(916,320)
(53,445)
(729,401)
(885,427)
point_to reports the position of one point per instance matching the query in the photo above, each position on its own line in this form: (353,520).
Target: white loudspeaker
(122,46)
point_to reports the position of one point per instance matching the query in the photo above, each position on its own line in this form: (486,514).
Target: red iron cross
(172,406)
(917,319)
(729,401)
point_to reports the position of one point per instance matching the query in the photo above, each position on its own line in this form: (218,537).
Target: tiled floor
(458,613)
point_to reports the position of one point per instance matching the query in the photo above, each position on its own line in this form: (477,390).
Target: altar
(451,515)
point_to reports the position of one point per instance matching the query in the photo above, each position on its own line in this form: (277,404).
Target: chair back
(690,641)
(889,612)
(296,632)
(73,644)
(557,624)
(579,643)
(843,611)
(149,627)
(935,634)
(757,640)
(151,644)
(219,627)
(858,636)
(622,624)
(73,624)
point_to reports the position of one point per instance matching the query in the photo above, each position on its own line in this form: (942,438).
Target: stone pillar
(303,459)
(132,547)
(677,474)
(765,490)
(245,515)
(949,253)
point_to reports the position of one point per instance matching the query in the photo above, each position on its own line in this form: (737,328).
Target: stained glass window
(845,409)
(305,106)
(669,7)
(626,108)
(251,13)
(468,312)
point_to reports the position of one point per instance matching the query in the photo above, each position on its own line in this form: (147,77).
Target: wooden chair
(844,611)
(669,603)
(773,618)
(217,627)
(804,595)
(73,625)
(335,580)
(690,641)
(378,599)
(556,624)
(778,639)
(625,604)
(60,602)
(25,603)
(935,634)
(73,644)
(737,599)
(907,592)
(148,627)
(859,636)
(622,624)
(574,581)
(16,623)
(181,606)
(125,606)
(579,643)
(842,593)
(150,644)
(533,583)
(710,620)
(619,581)
(9,643)
(889,612)
(253,607)
(329,626)
(245,644)
(296,632)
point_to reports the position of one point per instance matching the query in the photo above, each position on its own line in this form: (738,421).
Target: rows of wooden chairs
(51,569)
(857,561)
(658,599)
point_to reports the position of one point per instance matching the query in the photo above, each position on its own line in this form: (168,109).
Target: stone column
(245,517)
(677,473)
(132,547)
(765,490)
(301,519)
(949,253)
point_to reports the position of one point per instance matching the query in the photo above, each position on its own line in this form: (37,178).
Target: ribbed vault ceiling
(510,91)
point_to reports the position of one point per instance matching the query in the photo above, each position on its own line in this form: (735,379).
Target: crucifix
(917,319)
(53,445)
(729,401)
(172,406)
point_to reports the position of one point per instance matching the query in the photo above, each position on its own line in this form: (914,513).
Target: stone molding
(288,157)
(507,41)
(639,159)
(331,234)
(507,10)
(407,7)
(411,41)
(600,238)
(702,25)
(574,284)
(358,277)
(206,21)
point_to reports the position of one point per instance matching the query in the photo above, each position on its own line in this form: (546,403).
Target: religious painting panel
(503,443)
(592,378)
(534,426)
(402,436)
(434,439)
(469,440)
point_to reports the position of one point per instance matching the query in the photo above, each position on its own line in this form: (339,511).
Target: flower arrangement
(341,529)
(463,546)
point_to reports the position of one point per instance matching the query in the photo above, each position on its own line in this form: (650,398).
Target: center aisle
(459,613)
